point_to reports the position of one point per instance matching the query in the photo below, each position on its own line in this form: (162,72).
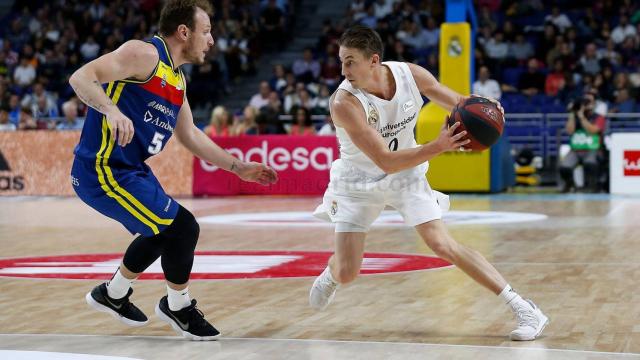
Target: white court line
(338,341)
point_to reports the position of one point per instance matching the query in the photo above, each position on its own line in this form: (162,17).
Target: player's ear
(375,59)
(183,31)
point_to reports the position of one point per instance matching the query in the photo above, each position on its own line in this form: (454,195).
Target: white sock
(327,273)
(509,295)
(178,299)
(118,286)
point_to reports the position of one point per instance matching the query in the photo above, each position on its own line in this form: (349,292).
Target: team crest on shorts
(334,207)
(372,116)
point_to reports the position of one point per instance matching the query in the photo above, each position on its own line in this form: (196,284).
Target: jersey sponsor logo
(214,265)
(161,108)
(388,218)
(163,83)
(149,118)
(408,106)
(394,129)
(631,162)
(279,158)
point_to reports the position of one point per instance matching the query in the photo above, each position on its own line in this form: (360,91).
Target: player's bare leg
(531,321)
(344,267)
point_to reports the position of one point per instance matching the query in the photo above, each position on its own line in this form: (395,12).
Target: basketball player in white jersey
(375,111)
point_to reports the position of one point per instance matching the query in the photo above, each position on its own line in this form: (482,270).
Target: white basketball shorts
(354,197)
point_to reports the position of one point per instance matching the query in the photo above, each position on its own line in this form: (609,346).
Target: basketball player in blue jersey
(137,99)
(375,111)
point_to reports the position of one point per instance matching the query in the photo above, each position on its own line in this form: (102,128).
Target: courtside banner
(302,164)
(39,162)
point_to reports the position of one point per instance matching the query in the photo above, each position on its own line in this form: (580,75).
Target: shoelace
(196,316)
(525,317)
(327,286)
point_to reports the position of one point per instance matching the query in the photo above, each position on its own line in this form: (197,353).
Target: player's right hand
(121,126)
(448,140)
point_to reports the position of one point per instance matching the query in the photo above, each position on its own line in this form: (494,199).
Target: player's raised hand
(448,140)
(121,126)
(255,172)
(496,102)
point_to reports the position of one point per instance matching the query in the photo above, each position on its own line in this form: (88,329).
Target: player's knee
(184,231)
(181,239)
(445,248)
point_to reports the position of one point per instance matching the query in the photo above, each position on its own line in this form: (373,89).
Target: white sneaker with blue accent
(531,320)
(323,290)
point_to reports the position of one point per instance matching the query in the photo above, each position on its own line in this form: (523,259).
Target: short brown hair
(364,39)
(177,12)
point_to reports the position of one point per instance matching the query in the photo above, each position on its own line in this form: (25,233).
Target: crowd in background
(536,56)
(43,42)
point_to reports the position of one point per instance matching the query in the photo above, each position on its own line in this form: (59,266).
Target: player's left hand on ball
(256,172)
(496,102)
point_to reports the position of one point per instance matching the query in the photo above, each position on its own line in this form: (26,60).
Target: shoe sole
(97,306)
(535,336)
(179,330)
(320,307)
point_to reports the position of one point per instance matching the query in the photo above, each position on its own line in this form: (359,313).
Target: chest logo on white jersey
(408,106)
(372,115)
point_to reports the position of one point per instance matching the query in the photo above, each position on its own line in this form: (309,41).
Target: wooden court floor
(580,264)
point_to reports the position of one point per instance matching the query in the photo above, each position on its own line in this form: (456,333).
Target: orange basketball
(481,118)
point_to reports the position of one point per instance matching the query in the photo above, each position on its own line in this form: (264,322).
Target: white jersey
(359,190)
(394,119)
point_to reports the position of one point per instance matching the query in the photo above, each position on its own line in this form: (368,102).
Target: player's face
(200,39)
(356,67)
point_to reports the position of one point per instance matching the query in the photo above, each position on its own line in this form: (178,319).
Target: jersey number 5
(156,143)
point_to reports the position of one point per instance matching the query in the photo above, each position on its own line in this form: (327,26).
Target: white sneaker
(531,321)
(323,290)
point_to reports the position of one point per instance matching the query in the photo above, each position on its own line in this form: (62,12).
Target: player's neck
(175,51)
(382,83)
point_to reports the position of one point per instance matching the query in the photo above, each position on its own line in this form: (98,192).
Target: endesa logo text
(631,162)
(280,158)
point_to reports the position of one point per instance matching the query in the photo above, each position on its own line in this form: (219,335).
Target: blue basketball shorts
(133,197)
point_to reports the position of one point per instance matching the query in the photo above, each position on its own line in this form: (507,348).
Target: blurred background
(275,64)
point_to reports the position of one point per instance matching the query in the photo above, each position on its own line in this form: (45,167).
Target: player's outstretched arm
(201,146)
(133,59)
(434,90)
(347,113)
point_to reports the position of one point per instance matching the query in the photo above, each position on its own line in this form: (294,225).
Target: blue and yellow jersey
(152,105)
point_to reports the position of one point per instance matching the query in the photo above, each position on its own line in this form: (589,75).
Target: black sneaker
(121,309)
(188,322)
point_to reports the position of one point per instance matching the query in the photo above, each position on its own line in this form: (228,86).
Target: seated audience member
(586,129)
(220,124)
(5,125)
(71,120)
(485,86)
(302,124)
